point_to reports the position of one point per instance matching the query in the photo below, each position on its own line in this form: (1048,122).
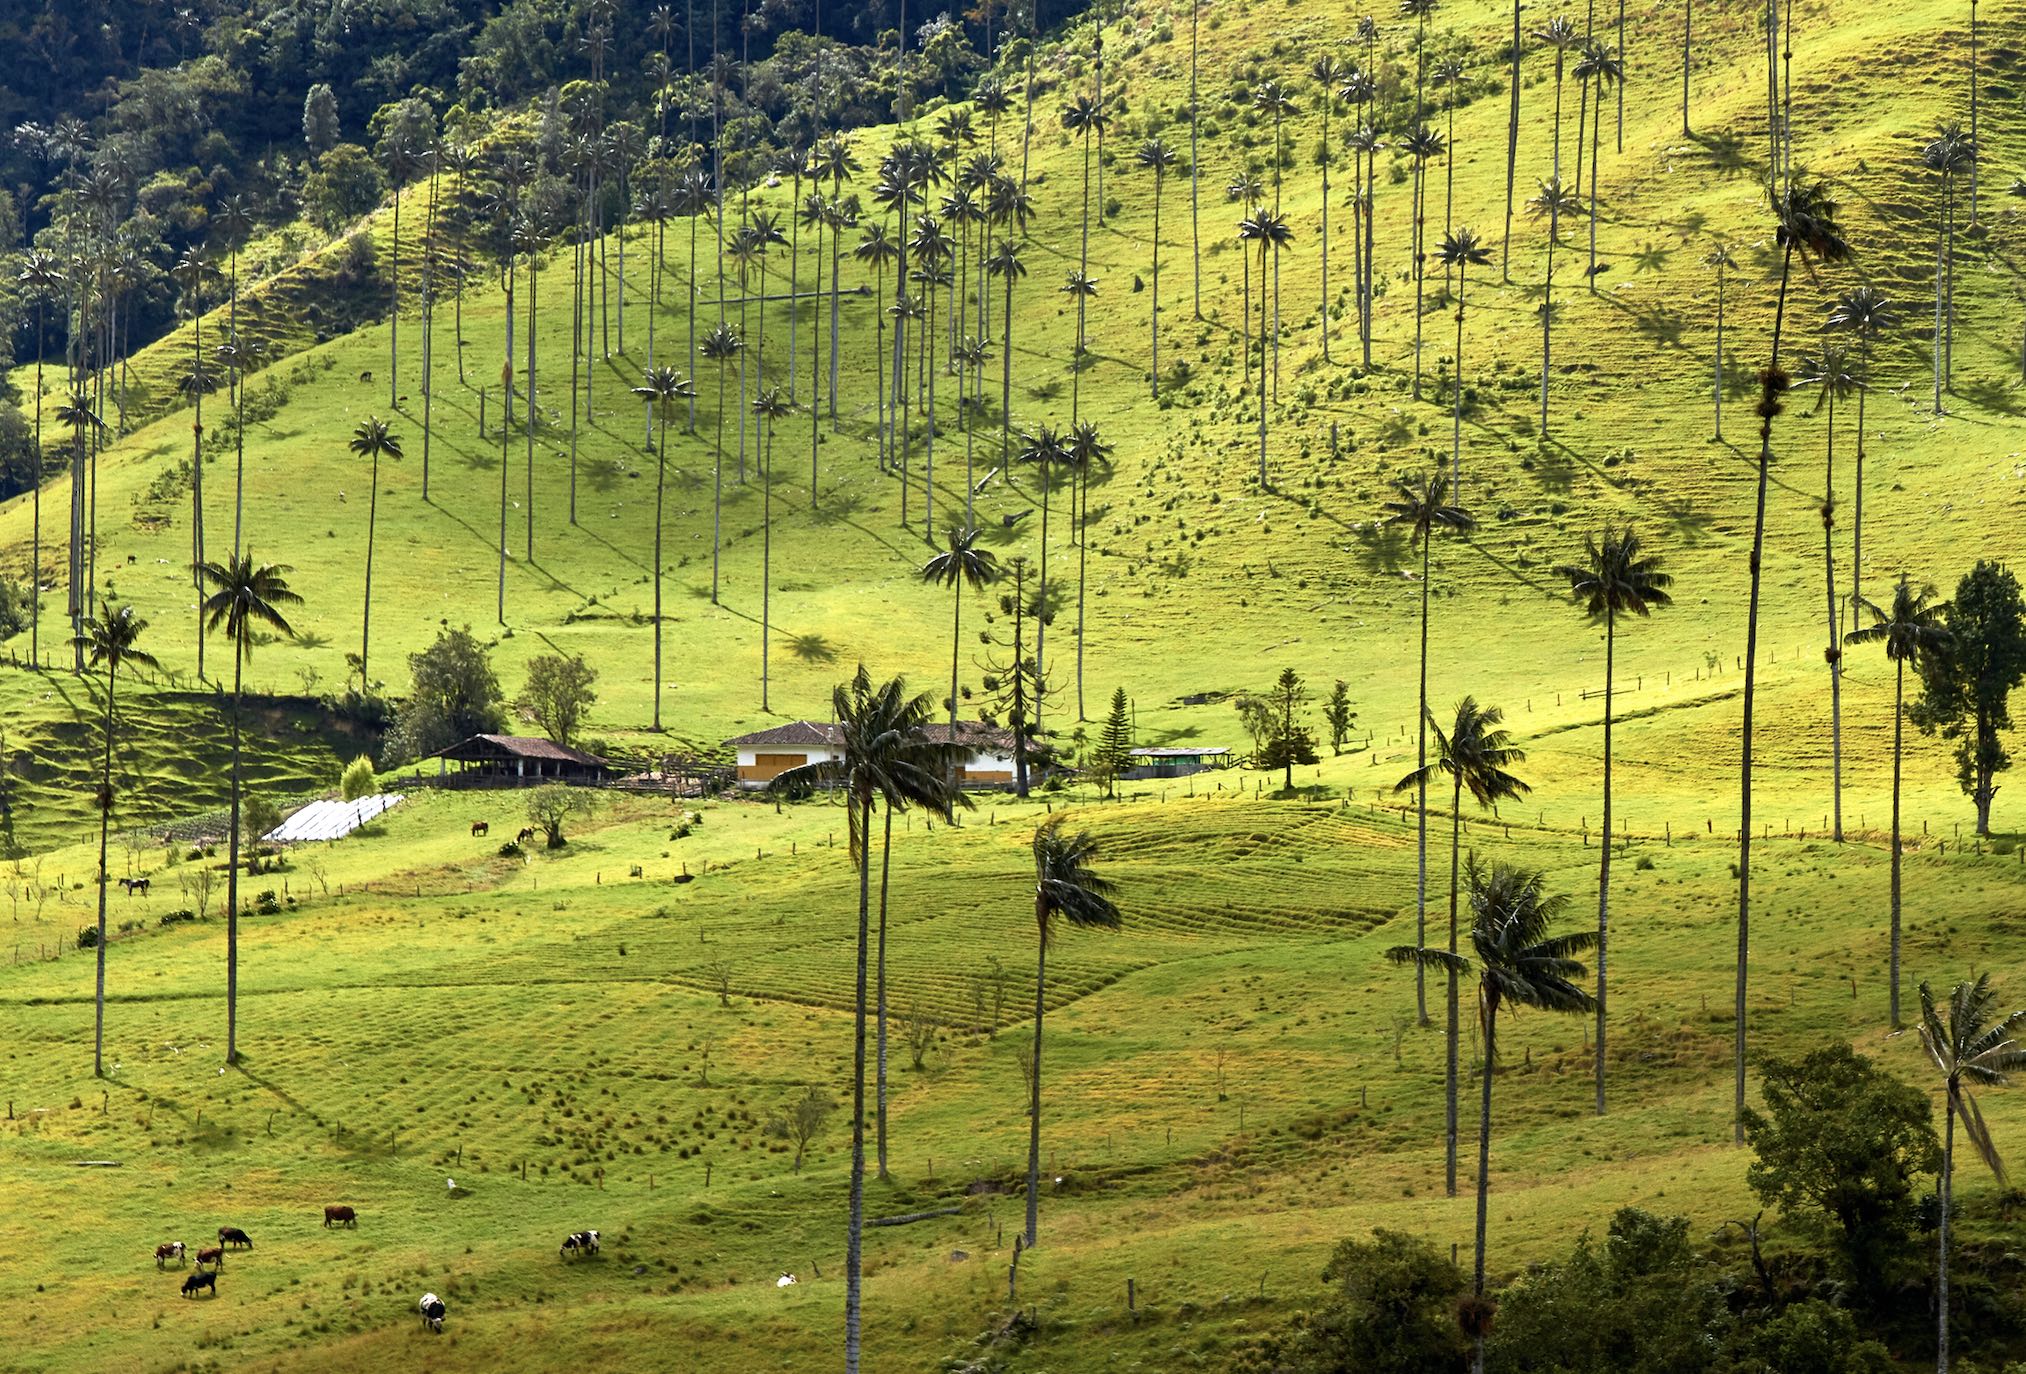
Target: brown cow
(213,1256)
(168,1250)
(527,835)
(340,1216)
(479,828)
(233,1236)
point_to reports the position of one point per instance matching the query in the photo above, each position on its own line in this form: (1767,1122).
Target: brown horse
(479,828)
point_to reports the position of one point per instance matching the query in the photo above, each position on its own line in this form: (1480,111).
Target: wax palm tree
(1552,200)
(1561,37)
(1195,111)
(1864,312)
(1806,220)
(882,754)
(1080,288)
(1460,251)
(112,639)
(1419,10)
(1045,448)
(1972,1046)
(1330,73)
(1158,158)
(1949,155)
(722,346)
(1601,67)
(235,356)
(1424,507)
(1830,372)
(1245,190)
(877,251)
(1720,258)
(1617,578)
(1421,145)
(1519,963)
(1272,99)
(1068,889)
(1512,124)
(1477,753)
(41,276)
(1087,452)
(1084,117)
(372,440)
(1365,145)
(770,405)
(961,563)
(243,598)
(661,387)
(1267,229)
(1912,628)
(77,414)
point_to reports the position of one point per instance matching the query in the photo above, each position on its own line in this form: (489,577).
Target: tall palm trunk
(1262,361)
(506,410)
(1774,385)
(766,442)
(232,871)
(1420,260)
(1154,313)
(1455,1027)
(1034,1081)
(1421,802)
(105,816)
(854,1236)
(1718,389)
(1456,405)
(1511,147)
(35,539)
(660,488)
(879,994)
(1834,653)
(534,296)
(372,524)
(1195,216)
(1898,745)
(196,463)
(1687,37)
(1857,485)
(1548,311)
(1946,1189)
(393,313)
(1604,862)
(1491,1000)
(718,485)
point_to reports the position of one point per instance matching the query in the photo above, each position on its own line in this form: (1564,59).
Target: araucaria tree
(1967,682)
(243,598)
(1288,740)
(1806,225)
(112,641)
(1423,506)
(1911,629)
(1519,962)
(1476,752)
(1616,578)
(1069,890)
(1971,1046)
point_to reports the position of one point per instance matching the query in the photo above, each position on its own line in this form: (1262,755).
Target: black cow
(133,885)
(234,1237)
(581,1242)
(202,1278)
(431,1308)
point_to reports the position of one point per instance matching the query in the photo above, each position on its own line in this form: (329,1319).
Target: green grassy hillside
(430,997)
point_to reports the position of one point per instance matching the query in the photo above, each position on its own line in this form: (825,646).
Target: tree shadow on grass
(811,648)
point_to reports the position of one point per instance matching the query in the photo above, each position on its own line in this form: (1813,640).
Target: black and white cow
(431,1308)
(581,1242)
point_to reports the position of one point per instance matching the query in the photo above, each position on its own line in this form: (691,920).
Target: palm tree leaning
(882,754)
(1914,627)
(243,597)
(1158,158)
(961,563)
(111,639)
(1475,752)
(1067,888)
(1460,251)
(1518,963)
(1423,506)
(662,387)
(372,440)
(1971,1047)
(1806,220)
(1616,578)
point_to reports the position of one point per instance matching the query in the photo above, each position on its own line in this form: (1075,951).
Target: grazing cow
(340,1216)
(201,1279)
(133,885)
(479,828)
(581,1242)
(431,1308)
(234,1237)
(527,834)
(213,1256)
(168,1250)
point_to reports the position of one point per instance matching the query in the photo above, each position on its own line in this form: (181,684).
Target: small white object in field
(785,1281)
(451,1184)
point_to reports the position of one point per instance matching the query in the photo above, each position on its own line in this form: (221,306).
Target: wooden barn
(517,760)
(766,754)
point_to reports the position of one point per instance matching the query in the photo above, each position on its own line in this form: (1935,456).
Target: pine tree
(1113,752)
(1338,715)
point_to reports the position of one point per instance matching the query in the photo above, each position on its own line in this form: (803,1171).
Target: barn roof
(1187,752)
(813,734)
(519,747)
